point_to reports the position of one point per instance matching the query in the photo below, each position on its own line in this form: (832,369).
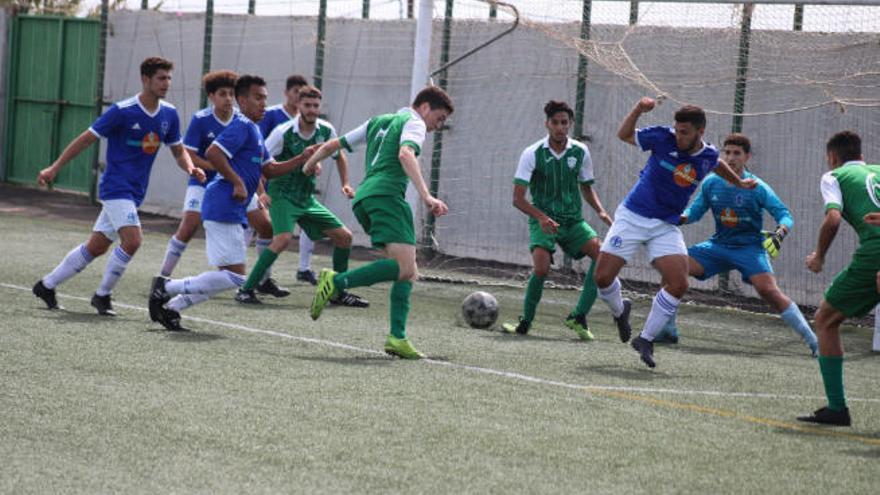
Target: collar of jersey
(137,99)
(546,144)
(853,162)
(231,116)
(412,111)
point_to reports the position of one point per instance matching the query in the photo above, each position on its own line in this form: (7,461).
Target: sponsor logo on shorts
(132,217)
(193,203)
(728,217)
(616,241)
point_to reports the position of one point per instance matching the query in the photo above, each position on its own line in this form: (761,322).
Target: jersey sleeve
(107,122)
(274,143)
(831,194)
(331,137)
(266,126)
(586,174)
(525,168)
(355,137)
(231,139)
(775,206)
(267,156)
(699,206)
(172,137)
(647,138)
(193,137)
(413,134)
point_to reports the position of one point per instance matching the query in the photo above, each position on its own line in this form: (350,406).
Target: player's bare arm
(872,219)
(590,196)
(410,164)
(827,233)
(313,165)
(218,159)
(548,225)
(185,162)
(77,146)
(727,173)
(277,169)
(199,161)
(627,131)
(342,167)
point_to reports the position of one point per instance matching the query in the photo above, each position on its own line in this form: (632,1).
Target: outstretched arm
(627,131)
(727,173)
(77,146)
(276,169)
(313,164)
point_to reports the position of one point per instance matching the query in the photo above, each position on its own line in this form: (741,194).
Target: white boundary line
(486,371)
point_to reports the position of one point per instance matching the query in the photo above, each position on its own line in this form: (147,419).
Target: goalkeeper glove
(773,240)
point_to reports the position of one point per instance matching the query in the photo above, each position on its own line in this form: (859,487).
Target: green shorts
(854,290)
(313,217)
(571,237)
(387,220)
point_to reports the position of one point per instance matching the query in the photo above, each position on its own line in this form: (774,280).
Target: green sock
(340,259)
(400,291)
(533,296)
(588,294)
(267,257)
(832,377)
(386,270)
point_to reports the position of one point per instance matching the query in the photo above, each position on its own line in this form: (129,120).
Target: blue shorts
(715,258)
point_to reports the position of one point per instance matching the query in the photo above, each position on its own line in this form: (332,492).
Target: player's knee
(410,273)
(677,287)
(602,279)
(131,245)
(542,270)
(343,238)
(280,243)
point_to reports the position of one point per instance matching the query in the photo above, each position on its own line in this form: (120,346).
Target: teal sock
(588,293)
(400,292)
(832,376)
(793,317)
(340,259)
(386,270)
(264,262)
(534,290)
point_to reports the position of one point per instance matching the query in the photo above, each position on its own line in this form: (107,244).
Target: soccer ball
(480,309)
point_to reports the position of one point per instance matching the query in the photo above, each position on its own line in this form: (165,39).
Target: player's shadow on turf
(372,360)
(507,337)
(729,351)
(66,316)
(192,336)
(864,454)
(627,373)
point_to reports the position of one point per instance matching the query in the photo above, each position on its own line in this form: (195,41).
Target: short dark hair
(295,80)
(738,139)
(553,107)
(151,65)
(213,81)
(435,97)
(244,83)
(308,91)
(847,145)
(693,114)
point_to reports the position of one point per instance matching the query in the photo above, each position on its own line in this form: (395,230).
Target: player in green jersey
(557,171)
(293,196)
(393,143)
(851,191)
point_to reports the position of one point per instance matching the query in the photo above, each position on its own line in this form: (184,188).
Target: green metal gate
(53,70)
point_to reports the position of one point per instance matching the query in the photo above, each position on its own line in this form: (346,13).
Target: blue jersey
(274,116)
(203,129)
(133,139)
(242,143)
(739,213)
(670,176)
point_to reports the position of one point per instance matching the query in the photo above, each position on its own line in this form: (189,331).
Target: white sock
(75,261)
(207,283)
(876,344)
(306,246)
(172,255)
(116,265)
(261,246)
(612,296)
(664,307)
(183,301)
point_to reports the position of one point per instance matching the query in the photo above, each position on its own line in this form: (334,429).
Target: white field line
(486,371)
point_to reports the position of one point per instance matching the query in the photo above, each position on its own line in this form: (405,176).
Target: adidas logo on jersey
(714,197)
(136,127)
(673,154)
(211,135)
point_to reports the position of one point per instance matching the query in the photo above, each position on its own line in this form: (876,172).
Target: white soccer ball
(480,309)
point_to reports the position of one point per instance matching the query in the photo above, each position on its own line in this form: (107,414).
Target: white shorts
(254,204)
(115,214)
(631,230)
(193,199)
(224,243)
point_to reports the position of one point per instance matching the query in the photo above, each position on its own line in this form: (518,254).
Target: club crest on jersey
(738,200)
(873,186)
(319,139)
(164,126)
(150,143)
(572,162)
(684,175)
(728,217)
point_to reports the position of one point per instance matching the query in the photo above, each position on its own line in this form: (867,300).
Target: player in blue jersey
(240,159)
(275,116)
(205,126)
(135,128)
(650,213)
(738,243)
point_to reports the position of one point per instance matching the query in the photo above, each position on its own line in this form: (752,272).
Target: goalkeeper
(738,242)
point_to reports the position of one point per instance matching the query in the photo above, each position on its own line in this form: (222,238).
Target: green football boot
(402,348)
(324,292)
(578,323)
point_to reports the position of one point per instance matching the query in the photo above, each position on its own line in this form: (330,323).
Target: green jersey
(854,189)
(554,179)
(384,135)
(286,142)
